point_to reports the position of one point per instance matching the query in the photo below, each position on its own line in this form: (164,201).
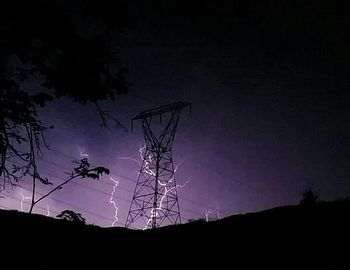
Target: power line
(127,200)
(107,194)
(25,202)
(78,208)
(201,164)
(133,181)
(245,184)
(61,202)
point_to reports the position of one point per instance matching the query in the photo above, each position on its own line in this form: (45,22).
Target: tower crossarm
(162,109)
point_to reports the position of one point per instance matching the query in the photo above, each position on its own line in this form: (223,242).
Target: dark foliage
(309,197)
(285,237)
(72,216)
(84,171)
(66,47)
(196,220)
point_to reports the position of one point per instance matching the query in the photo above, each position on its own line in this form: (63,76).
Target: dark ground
(297,237)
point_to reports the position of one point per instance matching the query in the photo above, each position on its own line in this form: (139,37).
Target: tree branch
(32,163)
(56,188)
(82,171)
(104,116)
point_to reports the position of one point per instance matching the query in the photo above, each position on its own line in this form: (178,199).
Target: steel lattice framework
(155,201)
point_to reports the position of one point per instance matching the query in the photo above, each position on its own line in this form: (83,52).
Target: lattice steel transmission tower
(155,201)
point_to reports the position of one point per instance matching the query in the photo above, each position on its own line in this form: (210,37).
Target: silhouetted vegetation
(50,42)
(72,216)
(194,220)
(65,45)
(292,235)
(309,197)
(83,170)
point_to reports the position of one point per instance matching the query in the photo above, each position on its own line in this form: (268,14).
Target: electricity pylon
(155,201)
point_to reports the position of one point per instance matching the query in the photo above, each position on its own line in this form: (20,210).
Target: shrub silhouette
(194,220)
(309,197)
(71,216)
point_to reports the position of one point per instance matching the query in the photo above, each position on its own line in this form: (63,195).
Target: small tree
(71,216)
(195,220)
(309,197)
(83,170)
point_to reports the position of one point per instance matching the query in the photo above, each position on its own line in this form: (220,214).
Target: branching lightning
(207,215)
(146,168)
(23,199)
(29,198)
(147,161)
(154,211)
(112,201)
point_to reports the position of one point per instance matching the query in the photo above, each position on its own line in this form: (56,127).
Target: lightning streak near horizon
(82,152)
(29,198)
(207,215)
(23,199)
(112,201)
(209,211)
(48,210)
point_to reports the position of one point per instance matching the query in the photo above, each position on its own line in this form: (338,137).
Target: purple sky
(266,120)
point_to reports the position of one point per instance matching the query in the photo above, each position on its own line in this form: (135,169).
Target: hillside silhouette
(305,237)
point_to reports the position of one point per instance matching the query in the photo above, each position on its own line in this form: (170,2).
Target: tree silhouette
(308,197)
(21,136)
(83,170)
(67,48)
(72,216)
(196,220)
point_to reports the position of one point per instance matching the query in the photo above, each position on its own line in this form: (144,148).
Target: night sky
(268,81)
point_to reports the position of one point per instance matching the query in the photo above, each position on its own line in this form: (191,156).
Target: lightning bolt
(146,168)
(23,199)
(154,211)
(147,161)
(207,215)
(29,198)
(116,182)
(112,201)
(48,210)
(82,152)
(218,216)
(111,198)
(142,148)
